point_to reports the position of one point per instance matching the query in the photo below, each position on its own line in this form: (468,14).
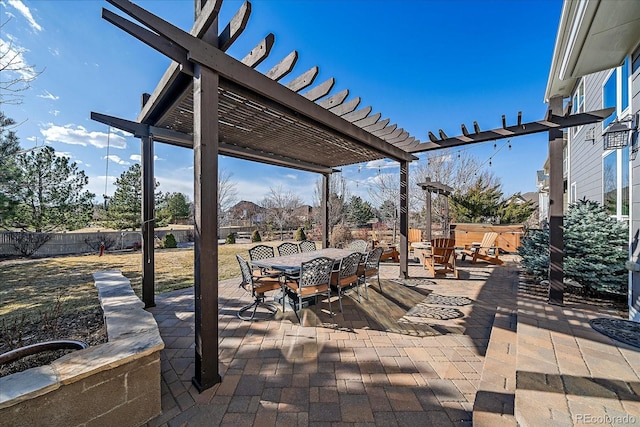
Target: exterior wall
(585,164)
(634,229)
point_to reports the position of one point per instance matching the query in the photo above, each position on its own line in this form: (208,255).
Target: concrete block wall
(116,383)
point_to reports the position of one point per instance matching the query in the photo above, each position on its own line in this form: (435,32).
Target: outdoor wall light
(617,134)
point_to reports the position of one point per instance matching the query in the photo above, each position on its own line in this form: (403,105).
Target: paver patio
(352,371)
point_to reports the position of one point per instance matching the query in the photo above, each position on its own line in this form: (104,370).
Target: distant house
(596,65)
(247,212)
(304,213)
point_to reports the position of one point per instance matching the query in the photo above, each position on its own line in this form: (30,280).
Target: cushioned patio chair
(346,277)
(314,280)
(256,286)
(261,252)
(288,248)
(370,267)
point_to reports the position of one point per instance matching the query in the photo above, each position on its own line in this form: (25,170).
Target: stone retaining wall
(116,383)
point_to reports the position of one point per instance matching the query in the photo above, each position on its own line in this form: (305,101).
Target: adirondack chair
(485,251)
(441,259)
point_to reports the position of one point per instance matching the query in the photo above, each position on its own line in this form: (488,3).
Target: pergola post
(404,219)
(556,220)
(205,150)
(324,205)
(148,225)
(428,214)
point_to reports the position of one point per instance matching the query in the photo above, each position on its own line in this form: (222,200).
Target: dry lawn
(32,287)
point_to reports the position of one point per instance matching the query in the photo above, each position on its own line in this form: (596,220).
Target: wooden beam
(345,108)
(260,52)
(148,222)
(404,219)
(367,121)
(304,80)
(283,67)
(402,137)
(556,209)
(235,27)
(334,100)
(385,131)
(324,206)
(205,165)
(396,133)
(559,122)
(442,134)
(357,115)
(321,90)
(378,126)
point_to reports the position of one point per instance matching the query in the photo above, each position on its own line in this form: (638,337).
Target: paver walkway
(352,371)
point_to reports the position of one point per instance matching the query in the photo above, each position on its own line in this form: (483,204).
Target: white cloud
(54,52)
(54,112)
(138,158)
(291,176)
(78,135)
(12,60)
(49,95)
(26,13)
(381,164)
(117,159)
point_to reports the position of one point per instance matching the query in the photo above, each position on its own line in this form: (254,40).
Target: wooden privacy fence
(508,235)
(81,243)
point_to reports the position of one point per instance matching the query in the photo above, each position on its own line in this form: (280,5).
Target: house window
(615,92)
(615,183)
(573,196)
(578,105)
(609,96)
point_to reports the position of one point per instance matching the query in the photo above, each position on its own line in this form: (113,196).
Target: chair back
(489,240)
(288,248)
(349,265)
(261,252)
(316,272)
(373,258)
(442,249)
(245,269)
(358,246)
(415,235)
(307,246)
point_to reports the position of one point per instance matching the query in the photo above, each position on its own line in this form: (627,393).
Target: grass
(31,287)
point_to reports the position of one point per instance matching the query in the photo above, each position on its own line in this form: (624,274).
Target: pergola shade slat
(283,67)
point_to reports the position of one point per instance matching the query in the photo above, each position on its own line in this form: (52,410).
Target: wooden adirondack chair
(441,259)
(485,251)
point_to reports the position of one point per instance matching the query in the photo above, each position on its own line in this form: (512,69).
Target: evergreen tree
(50,193)
(479,204)
(513,211)
(359,212)
(9,172)
(174,206)
(124,209)
(595,249)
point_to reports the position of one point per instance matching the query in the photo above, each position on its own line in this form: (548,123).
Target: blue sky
(427,65)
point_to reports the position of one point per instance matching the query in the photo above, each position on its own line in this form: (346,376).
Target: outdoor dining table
(290,264)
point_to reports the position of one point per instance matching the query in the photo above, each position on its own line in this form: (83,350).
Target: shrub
(231,239)
(169,241)
(300,235)
(340,235)
(595,249)
(99,239)
(255,236)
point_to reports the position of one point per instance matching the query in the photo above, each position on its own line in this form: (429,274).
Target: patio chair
(261,252)
(314,279)
(307,246)
(288,248)
(346,276)
(358,246)
(256,286)
(441,259)
(485,250)
(370,267)
(389,250)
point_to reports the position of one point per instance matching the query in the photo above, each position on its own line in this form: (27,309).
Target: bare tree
(457,169)
(337,199)
(16,73)
(227,193)
(281,208)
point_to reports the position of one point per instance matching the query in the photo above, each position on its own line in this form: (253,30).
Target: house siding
(634,286)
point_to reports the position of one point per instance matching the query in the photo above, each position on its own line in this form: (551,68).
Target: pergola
(216,104)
